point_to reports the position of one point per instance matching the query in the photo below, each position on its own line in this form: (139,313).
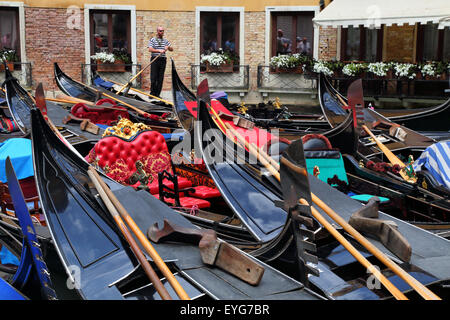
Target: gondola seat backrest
(319,152)
(118,158)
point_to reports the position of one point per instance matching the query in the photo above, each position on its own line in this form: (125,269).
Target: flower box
(117,66)
(9,64)
(225,67)
(298,70)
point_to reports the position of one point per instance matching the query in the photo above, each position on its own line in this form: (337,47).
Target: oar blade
(203,92)
(355,98)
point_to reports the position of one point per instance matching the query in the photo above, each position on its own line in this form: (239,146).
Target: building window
(361,44)
(219,30)
(432,43)
(110,31)
(9,29)
(292,32)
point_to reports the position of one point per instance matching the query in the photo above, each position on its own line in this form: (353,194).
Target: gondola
(20,102)
(183,98)
(431,119)
(421,202)
(342,204)
(79,90)
(100,82)
(107,268)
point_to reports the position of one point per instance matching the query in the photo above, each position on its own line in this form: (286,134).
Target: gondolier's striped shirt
(159,44)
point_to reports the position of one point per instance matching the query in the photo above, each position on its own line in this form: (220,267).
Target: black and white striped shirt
(159,44)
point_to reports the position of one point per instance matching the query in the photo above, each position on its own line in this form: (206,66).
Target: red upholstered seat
(182,183)
(118,158)
(188,202)
(204,192)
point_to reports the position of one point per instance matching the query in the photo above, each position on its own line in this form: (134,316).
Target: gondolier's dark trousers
(157,70)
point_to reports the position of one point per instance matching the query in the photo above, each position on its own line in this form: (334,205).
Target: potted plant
(286,63)
(379,69)
(323,67)
(108,62)
(405,70)
(336,67)
(354,69)
(122,56)
(429,70)
(219,61)
(9,56)
(441,69)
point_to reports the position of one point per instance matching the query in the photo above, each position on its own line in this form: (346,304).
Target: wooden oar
(142,238)
(391,156)
(151,274)
(142,92)
(393,159)
(263,158)
(74,100)
(131,80)
(419,287)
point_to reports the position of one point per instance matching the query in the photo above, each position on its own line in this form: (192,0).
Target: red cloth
(99,115)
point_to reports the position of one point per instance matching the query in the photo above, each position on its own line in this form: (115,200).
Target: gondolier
(158,47)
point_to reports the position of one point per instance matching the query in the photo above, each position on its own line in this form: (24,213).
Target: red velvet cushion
(118,158)
(99,115)
(204,192)
(182,183)
(109,149)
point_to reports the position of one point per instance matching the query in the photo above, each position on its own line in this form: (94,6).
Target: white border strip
(21,6)
(269,10)
(87,42)
(198,10)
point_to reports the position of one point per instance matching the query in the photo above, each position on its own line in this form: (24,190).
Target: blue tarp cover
(102,83)
(19,150)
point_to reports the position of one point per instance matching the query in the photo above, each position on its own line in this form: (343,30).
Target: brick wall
(254,43)
(179,30)
(49,40)
(327,43)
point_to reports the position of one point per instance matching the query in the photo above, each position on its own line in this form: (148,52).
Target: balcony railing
(396,88)
(238,80)
(23,72)
(290,82)
(122,77)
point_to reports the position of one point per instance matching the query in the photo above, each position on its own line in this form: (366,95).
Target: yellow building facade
(70,32)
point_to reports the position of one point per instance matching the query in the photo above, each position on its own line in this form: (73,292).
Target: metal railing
(238,80)
(396,88)
(270,79)
(23,72)
(122,77)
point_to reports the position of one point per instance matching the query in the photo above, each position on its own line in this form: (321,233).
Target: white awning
(374,13)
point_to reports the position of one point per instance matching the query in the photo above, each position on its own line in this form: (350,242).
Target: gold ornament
(242,109)
(126,129)
(277,103)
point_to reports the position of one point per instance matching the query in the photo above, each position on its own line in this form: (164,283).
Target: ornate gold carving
(126,129)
